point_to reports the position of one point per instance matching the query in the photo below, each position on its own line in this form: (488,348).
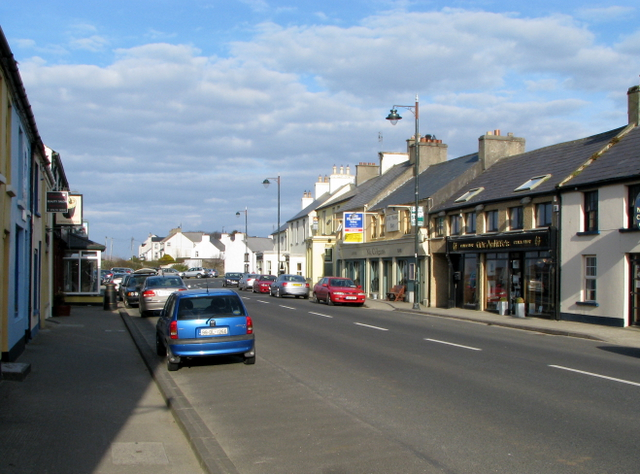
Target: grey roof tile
(501,179)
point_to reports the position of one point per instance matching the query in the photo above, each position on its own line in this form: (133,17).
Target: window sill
(587,303)
(624,231)
(590,232)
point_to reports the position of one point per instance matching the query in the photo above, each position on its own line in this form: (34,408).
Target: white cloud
(163,134)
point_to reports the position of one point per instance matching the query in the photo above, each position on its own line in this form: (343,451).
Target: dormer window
(532,183)
(469,194)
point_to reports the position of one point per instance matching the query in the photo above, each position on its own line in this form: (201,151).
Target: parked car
(212,272)
(262,284)
(246,282)
(122,286)
(156,290)
(105,276)
(203,323)
(294,285)
(131,287)
(195,272)
(122,270)
(231,279)
(169,272)
(336,290)
(116,279)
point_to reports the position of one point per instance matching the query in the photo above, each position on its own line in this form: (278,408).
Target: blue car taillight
(173,330)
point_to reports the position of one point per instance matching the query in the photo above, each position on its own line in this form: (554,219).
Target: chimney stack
(493,146)
(432,151)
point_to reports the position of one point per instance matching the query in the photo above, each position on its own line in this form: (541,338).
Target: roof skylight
(469,194)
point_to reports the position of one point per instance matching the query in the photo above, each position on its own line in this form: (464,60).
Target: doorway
(634,289)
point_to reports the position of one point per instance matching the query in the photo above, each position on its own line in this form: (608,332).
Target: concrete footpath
(88,404)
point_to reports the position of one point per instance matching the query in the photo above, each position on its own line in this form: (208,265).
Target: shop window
(538,283)
(455,225)
(492,221)
(470,223)
(591,211)
(590,276)
(81,272)
(516,218)
(634,207)
(544,214)
(497,279)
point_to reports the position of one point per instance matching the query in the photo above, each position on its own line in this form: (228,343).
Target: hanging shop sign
(353,227)
(73,214)
(57,201)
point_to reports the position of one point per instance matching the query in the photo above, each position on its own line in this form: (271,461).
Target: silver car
(246,282)
(156,290)
(294,285)
(195,272)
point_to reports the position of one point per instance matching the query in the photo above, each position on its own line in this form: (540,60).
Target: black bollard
(110,299)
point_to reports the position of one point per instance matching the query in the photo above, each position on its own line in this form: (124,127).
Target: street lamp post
(246,238)
(266,184)
(393,117)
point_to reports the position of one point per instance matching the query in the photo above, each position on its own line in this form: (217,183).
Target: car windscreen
(207,307)
(234,275)
(342,283)
(268,278)
(296,278)
(137,280)
(164,282)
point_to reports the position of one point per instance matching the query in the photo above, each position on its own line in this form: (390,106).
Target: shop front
(498,272)
(380,266)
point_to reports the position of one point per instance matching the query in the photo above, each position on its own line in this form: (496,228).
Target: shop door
(634,285)
(515,264)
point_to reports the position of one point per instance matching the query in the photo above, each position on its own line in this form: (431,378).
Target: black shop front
(495,272)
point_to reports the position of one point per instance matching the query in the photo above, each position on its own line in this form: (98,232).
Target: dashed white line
(452,344)
(286,307)
(320,314)
(628,382)
(371,327)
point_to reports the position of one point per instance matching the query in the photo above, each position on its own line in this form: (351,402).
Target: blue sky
(173,112)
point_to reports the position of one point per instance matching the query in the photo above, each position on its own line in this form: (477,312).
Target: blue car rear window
(210,306)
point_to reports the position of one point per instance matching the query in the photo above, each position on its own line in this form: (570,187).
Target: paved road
(360,390)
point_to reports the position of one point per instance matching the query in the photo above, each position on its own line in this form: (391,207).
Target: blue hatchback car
(204,323)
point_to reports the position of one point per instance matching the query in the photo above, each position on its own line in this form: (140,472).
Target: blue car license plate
(213,331)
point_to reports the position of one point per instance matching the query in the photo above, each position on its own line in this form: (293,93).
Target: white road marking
(263,302)
(452,344)
(371,327)
(320,314)
(628,382)
(286,307)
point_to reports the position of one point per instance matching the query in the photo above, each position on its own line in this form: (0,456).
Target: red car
(262,284)
(336,290)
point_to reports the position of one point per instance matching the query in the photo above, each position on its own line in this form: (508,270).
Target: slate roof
(260,244)
(364,194)
(560,161)
(430,181)
(314,205)
(622,161)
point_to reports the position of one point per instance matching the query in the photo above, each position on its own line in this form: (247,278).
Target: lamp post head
(238,214)
(393,116)
(266,183)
